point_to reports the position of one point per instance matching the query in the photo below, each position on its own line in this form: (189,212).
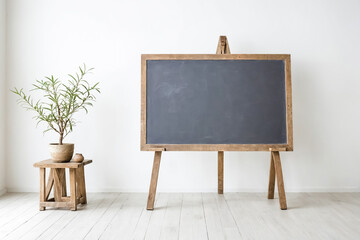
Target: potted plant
(58,105)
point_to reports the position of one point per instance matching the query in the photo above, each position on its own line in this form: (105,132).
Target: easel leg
(280,181)
(222,48)
(271,188)
(154,179)
(220,172)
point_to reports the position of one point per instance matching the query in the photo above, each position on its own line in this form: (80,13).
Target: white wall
(2,94)
(54,37)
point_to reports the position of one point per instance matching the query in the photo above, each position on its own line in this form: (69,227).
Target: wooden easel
(275,163)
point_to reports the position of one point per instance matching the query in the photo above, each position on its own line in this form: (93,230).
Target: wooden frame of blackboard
(218,147)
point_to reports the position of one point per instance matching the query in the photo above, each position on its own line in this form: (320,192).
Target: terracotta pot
(78,157)
(61,153)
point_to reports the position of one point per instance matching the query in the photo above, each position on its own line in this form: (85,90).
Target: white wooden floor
(185,216)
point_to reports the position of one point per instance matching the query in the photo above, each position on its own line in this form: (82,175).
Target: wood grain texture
(222,48)
(153,229)
(49,184)
(289,116)
(157,149)
(42,187)
(57,204)
(227,216)
(218,147)
(96,231)
(271,188)
(215,57)
(62,176)
(51,164)
(80,225)
(277,149)
(57,182)
(57,185)
(220,223)
(73,189)
(123,224)
(223,53)
(192,219)
(69,218)
(153,181)
(80,174)
(171,223)
(280,180)
(220,172)
(143,106)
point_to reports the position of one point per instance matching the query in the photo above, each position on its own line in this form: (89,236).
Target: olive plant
(60,101)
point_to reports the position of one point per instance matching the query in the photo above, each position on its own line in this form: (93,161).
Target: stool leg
(57,184)
(42,188)
(73,198)
(81,185)
(84,201)
(50,184)
(63,182)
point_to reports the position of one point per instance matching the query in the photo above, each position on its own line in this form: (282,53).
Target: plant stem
(61,138)
(63,101)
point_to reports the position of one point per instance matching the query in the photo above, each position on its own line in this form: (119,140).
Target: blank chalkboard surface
(212,102)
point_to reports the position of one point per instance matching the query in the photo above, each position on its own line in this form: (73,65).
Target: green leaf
(60,100)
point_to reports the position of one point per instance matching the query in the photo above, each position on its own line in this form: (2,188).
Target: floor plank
(83,222)
(212,217)
(171,223)
(10,198)
(143,223)
(157,218)
(39,228)
(17,208)
(249,218)
(97,230)
(26,210)
(124,222)
(192,219)
(220,222)
(185,216)
(54,229)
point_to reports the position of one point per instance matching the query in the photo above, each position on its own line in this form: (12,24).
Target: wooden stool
(57,181)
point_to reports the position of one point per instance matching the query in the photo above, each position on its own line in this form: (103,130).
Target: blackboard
(212,102)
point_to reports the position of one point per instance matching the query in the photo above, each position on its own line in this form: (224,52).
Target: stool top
(49,163)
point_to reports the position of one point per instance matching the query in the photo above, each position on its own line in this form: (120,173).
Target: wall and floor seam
(3,100)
